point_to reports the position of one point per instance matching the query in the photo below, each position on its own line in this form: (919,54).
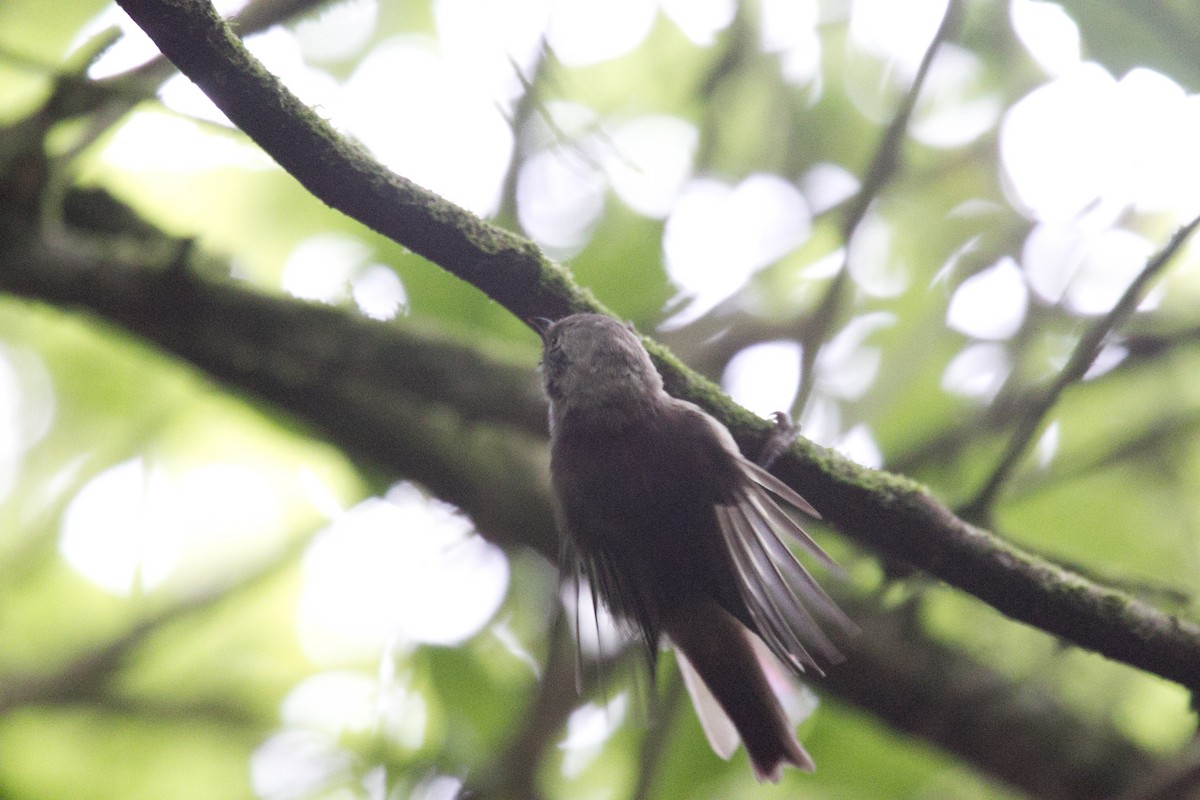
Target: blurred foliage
(213,652)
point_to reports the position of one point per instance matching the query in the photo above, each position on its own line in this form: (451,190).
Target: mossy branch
(887,513)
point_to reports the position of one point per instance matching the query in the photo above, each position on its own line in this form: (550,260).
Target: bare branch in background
(1081,360)
(819,324)
(890,514)
(347,377)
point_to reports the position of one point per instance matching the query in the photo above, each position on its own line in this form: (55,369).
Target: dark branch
(379,391)
(339,172)
(943,696)
(364,385)
(887,513)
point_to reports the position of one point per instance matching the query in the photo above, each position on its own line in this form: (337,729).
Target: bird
(682,537)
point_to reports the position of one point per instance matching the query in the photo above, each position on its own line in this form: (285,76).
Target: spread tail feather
(719,649)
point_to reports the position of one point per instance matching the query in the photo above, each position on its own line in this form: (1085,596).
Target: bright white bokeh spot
(764,377)
(184,97)
(343,702)
(133,49)
(977,208)
(1047,444)
(1085,138)
(319,494)
(979,371)
(513,644)
(1048,33)
(991,304)
(1109,357)
(338,31)
(801,65)
(296,764)
(583,32)
(437,127)
(898,33)
(1156,165)
(871,260)
(563,123)
(439,787)
(493,46)
(847,366)
(827,266)
(379,293)
(1087,266)
(826,186)
(561,186)
(592,724)
(700,20)
(953,111)
(719,235)
(560,196)
(406,568)
(649,161)
(245,527)
(27,407)
(152,140)
(1053,143)
(588,728)
(1111,263)
(106,536)
(789,27)
(786,23)
(822,420)
(133,527)
(1051,255)
(320,267)
(281,53)
(859,446)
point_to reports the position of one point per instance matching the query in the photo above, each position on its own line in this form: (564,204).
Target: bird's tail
(733,688)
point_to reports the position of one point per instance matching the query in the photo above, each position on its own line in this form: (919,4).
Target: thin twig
(895,516)
(883,167)
(511,505)
(90,675)
(1081,360)
(654,743)
(341,173)
(514,773)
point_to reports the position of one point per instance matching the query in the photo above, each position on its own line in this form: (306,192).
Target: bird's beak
(540,324)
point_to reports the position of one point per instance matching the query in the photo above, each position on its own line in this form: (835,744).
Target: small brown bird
(680,534)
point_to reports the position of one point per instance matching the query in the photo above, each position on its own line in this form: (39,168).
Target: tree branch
(360,384)
(1081,360)
(1005,727)
(883,166)
(339,172)
(513,775)
(352,379)
(90,676)
(890,514)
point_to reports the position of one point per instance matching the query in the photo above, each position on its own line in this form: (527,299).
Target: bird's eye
(554,358)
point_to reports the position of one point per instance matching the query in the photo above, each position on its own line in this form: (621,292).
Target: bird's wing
(781,521)
(781,617)
(789,608)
